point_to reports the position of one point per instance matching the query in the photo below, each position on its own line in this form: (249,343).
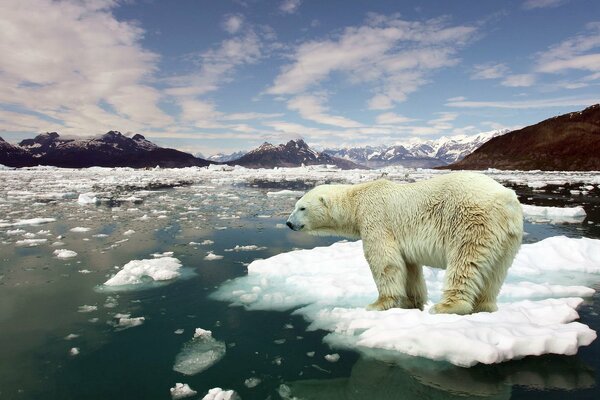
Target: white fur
(464,222)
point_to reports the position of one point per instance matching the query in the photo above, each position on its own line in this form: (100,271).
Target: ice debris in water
(125,321)
(80,229)
(30,221)
(30,242)
(210,256)
(220,394)
(558,215)
(74,351)
(251,247)
(252,382)
(330,287)
(181,390)
(335,357)
(135,271)
(86,309)
(199,354)
(87,198)
(64,253)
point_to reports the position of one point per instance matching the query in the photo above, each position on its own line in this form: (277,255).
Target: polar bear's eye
(302,208)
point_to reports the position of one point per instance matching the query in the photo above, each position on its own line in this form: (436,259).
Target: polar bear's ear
(324,201)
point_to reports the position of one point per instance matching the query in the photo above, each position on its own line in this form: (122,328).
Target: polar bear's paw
(460,307)
(384,303)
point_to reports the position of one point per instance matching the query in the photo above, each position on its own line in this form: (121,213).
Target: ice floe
(181,390)
(199,354)
(87,198)
(136,272)
(558,215)
(251,247)
(30,221)
(64,253)
(220,394)
(80,229)
(330,287)
(30,242)
(210,256)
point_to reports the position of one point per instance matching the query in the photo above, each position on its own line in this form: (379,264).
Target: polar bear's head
(322,211)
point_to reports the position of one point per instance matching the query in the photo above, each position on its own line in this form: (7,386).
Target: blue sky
(211,76)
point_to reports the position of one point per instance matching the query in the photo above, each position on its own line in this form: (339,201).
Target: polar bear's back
(431,216)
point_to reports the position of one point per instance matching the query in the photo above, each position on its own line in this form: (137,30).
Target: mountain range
(568,142)
(294,153)
(112,149)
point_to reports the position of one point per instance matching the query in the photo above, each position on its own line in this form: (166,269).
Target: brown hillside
(570,142)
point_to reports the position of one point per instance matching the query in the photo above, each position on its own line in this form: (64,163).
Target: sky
(221,76)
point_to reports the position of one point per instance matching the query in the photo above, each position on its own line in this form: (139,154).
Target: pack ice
(330,287)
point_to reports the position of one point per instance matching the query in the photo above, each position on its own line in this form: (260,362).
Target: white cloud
(573,53)
(519,80)
(392,55)
(543,103)
(233,23)
(74,62)
(532,4)
(489,71)
(391,118)
(290,6)
(311,107)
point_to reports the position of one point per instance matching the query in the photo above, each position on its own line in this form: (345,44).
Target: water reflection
(413,378)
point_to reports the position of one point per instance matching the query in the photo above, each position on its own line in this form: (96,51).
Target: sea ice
(199,354)
(252,382)
(30,242)
(335,357)
(86,308)
(80,229)
(557,215)
(74,351)
(285,193)
(87,198)
(210,256)
(251,247)
(31,221)
(125,321)
(64,253)
(181,390)
(330,287)
(138,271)
(220,394)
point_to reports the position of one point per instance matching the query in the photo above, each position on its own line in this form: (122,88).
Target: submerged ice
(330,287)
(199,354)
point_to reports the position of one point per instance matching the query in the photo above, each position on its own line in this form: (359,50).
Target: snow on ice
(182,390)
(557,215)
(199,354)
(330,287)
(220,394)
(64,253)
(136,272)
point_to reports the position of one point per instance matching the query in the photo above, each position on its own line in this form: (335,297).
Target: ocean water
(193,213)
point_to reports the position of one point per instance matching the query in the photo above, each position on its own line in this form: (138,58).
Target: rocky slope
(568,142)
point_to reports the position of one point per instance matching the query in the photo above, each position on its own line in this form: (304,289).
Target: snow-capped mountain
(292,154)
(424,153)
(223,157)
(112,149)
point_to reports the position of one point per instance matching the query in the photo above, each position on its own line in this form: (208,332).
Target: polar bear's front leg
(389,272)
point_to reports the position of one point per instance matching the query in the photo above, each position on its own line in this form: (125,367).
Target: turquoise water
(41,296)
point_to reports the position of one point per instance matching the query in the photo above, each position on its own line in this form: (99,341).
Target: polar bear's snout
(293,224)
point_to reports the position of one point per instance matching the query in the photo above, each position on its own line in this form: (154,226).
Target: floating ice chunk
(210,256)
(181,390)
(178,331)
(31,221)
(330,287)
(86,308)
(15,232)
(207,242)
(335,357)
(252,382)
(30,242)
(74,351)
(163,254)
(251,247)
(84,271)
(87,198)
(559,215)
(64,253)
(71,336)
(285,193)
(199,354)
(80,229)
(129,232)
(220,394)
(125,321)
(135,271)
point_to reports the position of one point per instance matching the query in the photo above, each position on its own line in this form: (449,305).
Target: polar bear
(464,222)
